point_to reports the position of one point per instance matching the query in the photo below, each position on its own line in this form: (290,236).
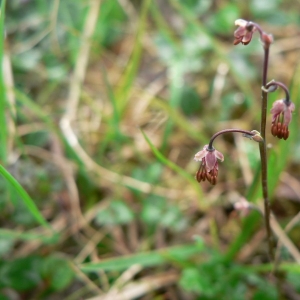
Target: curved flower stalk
(281,111)
(209,156)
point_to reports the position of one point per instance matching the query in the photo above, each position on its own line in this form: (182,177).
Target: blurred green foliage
(27,273)
(179,45)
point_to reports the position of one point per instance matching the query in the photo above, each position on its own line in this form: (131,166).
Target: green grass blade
(29,236)
(130,72)
(145,259)
(180,121)
(174,102)
(40,113)
(29,203)
(285,267)
(112,98)
(217,47)
(188,177)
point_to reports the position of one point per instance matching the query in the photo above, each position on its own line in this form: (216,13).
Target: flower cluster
(245,32)
(281,118)
(281,110)
(209,156)
(209,165)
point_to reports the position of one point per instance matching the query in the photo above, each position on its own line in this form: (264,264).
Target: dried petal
(219,155)
(277,108)
(199,155)
(247,38)
(210,160)
(241,23)
(287,114)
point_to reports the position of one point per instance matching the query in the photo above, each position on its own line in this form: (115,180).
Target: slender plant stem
(263,153)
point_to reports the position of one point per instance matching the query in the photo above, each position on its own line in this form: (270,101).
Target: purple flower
(281,117)
(209,165)
(244,32)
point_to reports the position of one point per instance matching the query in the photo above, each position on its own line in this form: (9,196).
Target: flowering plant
(281,117)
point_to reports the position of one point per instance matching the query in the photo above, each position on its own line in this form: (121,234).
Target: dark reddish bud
(285,132)
(274,129)
(279,130)
(213,180)
(267,39)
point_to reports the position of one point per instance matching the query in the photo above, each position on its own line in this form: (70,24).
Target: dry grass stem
(284,239)
(219,84)
(90,246)
(122,280)
(82,61)
(143,287)
(288,227)
(90,284)
(151,91)
(292,182)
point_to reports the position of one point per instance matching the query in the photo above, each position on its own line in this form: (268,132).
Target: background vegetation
(103,105)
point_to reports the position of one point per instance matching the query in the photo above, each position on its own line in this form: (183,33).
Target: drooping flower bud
(255,136)
(244,32)
(281,117)
(209,165)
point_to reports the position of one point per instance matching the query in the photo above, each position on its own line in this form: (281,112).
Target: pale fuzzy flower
(243,206)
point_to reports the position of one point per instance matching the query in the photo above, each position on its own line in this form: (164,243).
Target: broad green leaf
(21,274)
(116,213)
(58,272)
